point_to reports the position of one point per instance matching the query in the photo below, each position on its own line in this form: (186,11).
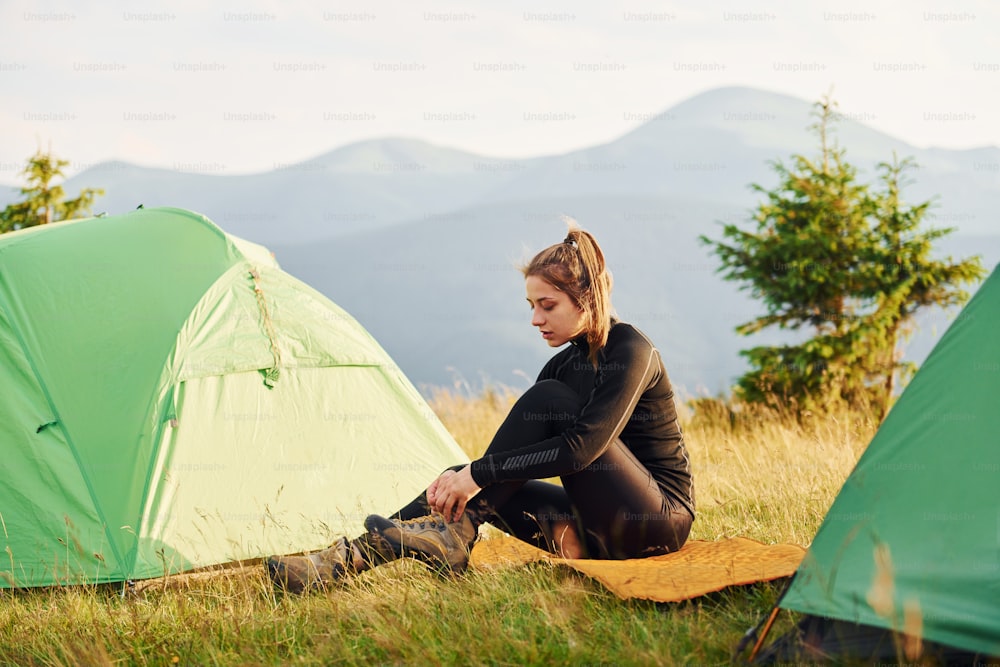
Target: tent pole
(752,633)
(764,633)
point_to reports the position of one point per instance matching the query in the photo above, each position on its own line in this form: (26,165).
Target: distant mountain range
(420,242)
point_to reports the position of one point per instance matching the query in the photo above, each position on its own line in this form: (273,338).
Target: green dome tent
(911,545)
(172,399)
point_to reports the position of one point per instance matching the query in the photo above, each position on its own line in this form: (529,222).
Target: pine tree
(829,254)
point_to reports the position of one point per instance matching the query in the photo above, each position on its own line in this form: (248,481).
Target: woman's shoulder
(623,333)
(628,345)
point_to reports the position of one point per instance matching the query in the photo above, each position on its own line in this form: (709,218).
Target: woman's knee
(549,401)
(551,389)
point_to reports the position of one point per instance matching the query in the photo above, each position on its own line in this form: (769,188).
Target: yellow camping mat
(700,567)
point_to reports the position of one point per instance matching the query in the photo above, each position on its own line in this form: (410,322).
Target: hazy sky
(234,87)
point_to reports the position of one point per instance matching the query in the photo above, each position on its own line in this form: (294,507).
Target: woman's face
(553,312)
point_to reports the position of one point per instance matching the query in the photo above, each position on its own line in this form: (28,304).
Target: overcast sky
(236,87)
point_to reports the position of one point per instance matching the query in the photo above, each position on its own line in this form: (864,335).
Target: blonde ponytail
(577,267)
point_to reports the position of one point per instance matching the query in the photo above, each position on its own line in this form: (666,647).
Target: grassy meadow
(767,477)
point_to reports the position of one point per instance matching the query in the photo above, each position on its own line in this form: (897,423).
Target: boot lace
(435,521)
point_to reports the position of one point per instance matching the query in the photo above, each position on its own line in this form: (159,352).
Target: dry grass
(771,477)
(472,419)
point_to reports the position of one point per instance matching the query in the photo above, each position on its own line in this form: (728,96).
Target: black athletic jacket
(627,396)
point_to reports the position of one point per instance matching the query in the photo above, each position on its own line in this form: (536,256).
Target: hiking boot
(315,571)
(430,538)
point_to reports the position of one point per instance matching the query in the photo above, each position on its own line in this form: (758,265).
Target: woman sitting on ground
(601,417)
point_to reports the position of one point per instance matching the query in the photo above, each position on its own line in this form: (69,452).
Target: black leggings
(617,507)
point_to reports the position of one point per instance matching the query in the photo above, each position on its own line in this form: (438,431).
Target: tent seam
(239,267)
(172,383)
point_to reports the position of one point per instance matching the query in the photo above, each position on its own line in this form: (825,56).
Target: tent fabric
(173,399)
(912,540)
(698,568)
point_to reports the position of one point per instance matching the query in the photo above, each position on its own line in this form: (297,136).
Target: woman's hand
(450,492)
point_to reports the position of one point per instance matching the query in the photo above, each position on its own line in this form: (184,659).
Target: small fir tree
(829,254)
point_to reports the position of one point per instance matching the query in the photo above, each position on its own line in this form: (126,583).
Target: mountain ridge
(419,241)
(713,144)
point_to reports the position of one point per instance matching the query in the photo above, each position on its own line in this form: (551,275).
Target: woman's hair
(576,266)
